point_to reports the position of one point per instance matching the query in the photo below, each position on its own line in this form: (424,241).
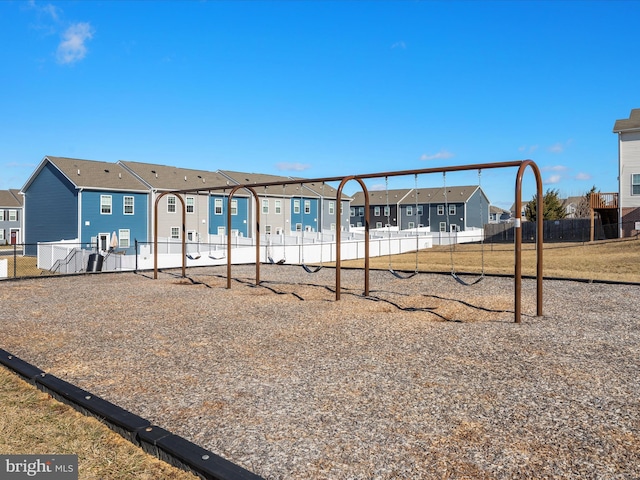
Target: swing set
(521,165)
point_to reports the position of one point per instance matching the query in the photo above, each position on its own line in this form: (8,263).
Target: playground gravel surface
(424,379)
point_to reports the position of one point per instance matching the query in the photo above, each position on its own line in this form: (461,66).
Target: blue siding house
(11,217)
(86,201)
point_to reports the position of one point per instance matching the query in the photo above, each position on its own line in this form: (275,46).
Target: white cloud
(583,176)
(296,167)
(528,148)
(560,147)
(47,9)
(73,48)
(552,180)
(441,155)
(401,45)
(555,168)
(378,187)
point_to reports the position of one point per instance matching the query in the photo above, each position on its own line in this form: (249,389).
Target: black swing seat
(466,284)
(279,262)
(311,270)
(401,277)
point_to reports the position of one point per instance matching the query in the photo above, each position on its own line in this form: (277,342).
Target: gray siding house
(11,217)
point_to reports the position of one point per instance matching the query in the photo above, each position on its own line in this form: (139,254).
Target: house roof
(425,196)
(92,174)
(243,178)
(626,124)
(494,209)
(11,198)
(162,177)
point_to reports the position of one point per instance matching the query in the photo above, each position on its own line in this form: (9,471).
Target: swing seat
(193,256)
(466,284)
(216,255)
(401,277)
(279,262)
(311,270)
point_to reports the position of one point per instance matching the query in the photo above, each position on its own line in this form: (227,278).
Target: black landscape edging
(154,440)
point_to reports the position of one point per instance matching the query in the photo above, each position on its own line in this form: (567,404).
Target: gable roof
(11,198)
(628,124)
(242,178)
(425,196)
(91,174)
(162,177)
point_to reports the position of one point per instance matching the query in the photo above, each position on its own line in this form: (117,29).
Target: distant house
(86,201)
(498,215)
(456,209)
(628,131)
(11,217)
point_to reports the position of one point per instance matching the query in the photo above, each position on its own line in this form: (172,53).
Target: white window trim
(332,209)
(443,227)
(13,215)
(1,215)
(124,205)
(278,207)
(234,207)
(217,206)
(193,205)
(171,233)
(376,211)
(409,211)
(452,209)
(124,233)
(635,184)
(171,204)
(296,206)
(441,210)
(104,204)
(265,206)
(307,207)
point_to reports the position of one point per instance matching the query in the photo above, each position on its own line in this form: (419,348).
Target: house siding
(94,222)
(629,165)
(239,222)
(6,226)
(50,209)
(307,220)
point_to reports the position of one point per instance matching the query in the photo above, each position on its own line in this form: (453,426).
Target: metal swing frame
(391,270)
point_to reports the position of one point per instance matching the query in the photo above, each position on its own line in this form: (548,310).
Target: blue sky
(322,88)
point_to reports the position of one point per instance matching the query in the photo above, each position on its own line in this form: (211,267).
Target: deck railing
(603,200)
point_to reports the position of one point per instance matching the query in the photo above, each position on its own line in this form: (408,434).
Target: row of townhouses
(86,201)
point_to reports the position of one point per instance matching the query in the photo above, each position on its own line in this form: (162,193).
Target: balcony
(603,201)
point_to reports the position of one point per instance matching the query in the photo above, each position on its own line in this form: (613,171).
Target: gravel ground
(425,379)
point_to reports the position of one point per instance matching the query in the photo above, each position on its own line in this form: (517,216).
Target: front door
(103,242)
(14,236)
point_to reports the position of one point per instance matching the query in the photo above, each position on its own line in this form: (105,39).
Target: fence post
(15,260)
(136,247)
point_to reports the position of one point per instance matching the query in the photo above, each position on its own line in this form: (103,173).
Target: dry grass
(611,260)
(34,423)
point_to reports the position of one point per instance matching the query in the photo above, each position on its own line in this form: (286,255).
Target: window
(171,204)
(267,229)
(175,231)
(221,231)
(217,206)
(191,235)
(105,204)
(454,227)
(441,210)
(1,233)
(452,209)
(361,211)
(124,238)
(409,210)
(332,209)
(1,215)
(635,184)
(376,211)
(443,226)
(298,227)
(234,207)
(353,210)
(128,205)
(307,207)
(420,210)
(191,201)
(265,205)
(296,206)
(412,225)
(13,215)
(378,224)
(387,211)
(278,207)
